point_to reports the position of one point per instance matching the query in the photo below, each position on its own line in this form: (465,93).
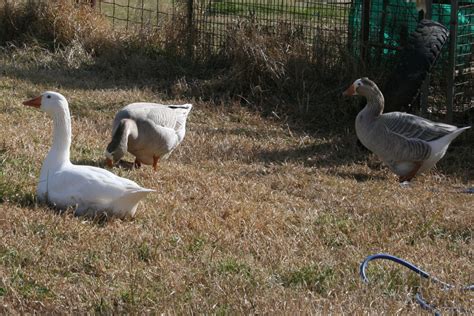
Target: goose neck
(125,130)
(131,129)
(375,103)
(61,136)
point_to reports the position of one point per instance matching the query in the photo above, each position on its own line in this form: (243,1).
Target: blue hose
(421,301)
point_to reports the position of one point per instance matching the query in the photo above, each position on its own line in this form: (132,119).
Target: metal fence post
(426,84)
(383,21)
(365,21)
(128,15)
(453,26)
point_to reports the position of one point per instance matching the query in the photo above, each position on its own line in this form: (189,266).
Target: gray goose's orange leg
(412,173)
(155,162)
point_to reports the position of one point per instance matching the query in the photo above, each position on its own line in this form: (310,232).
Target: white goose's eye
(49,97)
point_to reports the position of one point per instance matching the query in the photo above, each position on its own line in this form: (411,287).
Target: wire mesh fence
(464,56)
(322,25)
(128,14)
(211,19)
(309,17)
(371,31)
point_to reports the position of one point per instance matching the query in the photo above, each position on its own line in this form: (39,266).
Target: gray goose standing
(407,143)
(149,131)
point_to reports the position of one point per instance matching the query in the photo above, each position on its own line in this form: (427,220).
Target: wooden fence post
(190,28)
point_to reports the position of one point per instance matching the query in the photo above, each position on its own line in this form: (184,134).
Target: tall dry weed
(149,54)
(79,35)
(275,68)
(55,24)
(259,57)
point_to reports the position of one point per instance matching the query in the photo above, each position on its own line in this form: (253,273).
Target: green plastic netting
(392,21)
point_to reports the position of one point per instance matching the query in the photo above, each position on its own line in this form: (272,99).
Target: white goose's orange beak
(350,91)
(35,102)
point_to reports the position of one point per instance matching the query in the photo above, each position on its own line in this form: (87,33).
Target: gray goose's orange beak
(109,162)
(350,91)
(35,102)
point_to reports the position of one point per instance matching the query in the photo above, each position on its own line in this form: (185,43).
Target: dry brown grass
(251,215)
(54,23)
(78,37)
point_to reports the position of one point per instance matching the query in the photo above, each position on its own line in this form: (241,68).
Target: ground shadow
(337,151)
(100,219)
(239,131)
(100,163)
(30,201)
(94,76)
(21,199)
(360,177)
(341,150)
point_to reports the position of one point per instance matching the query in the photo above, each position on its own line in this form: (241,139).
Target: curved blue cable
(423,304)
(421,301)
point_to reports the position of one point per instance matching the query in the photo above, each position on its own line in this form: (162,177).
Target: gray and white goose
(407,143)
(149,131)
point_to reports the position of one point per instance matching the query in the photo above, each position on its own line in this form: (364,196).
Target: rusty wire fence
(371,30)
(131,14)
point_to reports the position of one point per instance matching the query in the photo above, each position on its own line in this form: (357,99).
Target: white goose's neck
(59,152)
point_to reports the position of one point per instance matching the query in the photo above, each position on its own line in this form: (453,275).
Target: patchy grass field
(251,215)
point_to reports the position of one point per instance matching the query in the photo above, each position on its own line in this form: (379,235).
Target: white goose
(149,131)
(408,144)
(90,190)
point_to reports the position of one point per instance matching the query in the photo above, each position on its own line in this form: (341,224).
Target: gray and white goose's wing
(412,126)
(396,147)
(171,116)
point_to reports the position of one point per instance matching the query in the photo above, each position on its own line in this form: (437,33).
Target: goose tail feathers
(451,136)
(126,206)
(185,108)
(441,144)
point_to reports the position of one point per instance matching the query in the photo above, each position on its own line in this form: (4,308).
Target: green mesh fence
(464,62)
(390,22)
